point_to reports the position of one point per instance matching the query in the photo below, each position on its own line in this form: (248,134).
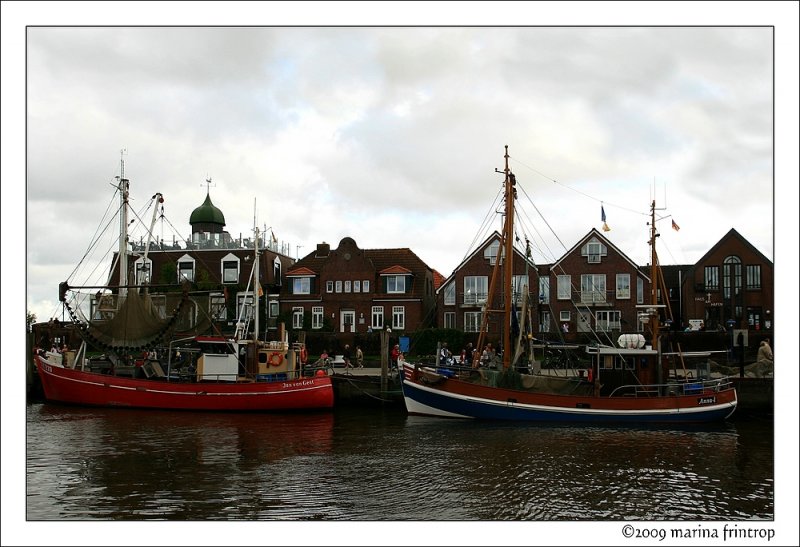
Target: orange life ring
(276,359)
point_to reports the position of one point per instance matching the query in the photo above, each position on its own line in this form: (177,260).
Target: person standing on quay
(359,357)
(346,356)
(395,355)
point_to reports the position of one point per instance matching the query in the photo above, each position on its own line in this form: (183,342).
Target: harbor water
(379,465)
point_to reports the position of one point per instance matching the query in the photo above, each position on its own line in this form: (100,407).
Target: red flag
(675,226)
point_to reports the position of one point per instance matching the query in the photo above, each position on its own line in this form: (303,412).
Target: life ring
(275,359)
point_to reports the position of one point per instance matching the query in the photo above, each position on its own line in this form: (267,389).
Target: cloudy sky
(391,135)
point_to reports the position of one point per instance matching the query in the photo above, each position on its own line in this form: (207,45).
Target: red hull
(93,389)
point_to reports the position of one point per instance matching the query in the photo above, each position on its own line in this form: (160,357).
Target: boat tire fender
(275,359)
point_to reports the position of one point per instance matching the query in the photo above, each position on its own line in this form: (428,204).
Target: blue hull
(433,402)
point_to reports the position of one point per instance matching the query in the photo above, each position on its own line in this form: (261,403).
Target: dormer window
(185,269)
(143,269)
(395,283)
(301,285)
(230,269)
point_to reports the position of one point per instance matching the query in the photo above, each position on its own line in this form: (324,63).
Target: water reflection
(381,465)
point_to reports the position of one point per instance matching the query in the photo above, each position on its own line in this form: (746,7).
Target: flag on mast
(675,226)
(603,218)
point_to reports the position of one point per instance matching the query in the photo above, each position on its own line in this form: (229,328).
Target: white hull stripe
(571,410)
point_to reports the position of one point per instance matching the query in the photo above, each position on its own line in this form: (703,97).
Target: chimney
(323,249)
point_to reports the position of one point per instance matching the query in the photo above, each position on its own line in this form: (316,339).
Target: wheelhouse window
(301,285)
(377,317)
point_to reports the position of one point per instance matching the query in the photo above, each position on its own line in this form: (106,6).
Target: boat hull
(453,398)
(65,385)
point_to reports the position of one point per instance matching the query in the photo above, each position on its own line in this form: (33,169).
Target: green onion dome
(207,213)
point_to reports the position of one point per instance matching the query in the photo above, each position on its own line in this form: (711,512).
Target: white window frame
(608,320)
(348,286)
(564,284)
(639,291)
(301,285)
(338,287)
(564,315)
(365,286)
(229,273)
(186,259)
(593,288)
(492,252)
(297,317)
(544,290)
(472,321)
(623,286)
(449,319)
(244,301)
(518,283)
(476,289)
(395,284)
(216,306)
(329,286)
(398,317)
(450,294)
(544,321)
(377,317)
(357,285)
(317,317)
(146,267)
(593,257)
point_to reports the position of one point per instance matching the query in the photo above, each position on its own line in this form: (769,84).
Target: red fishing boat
(132,355)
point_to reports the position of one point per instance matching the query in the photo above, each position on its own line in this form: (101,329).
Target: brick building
(351,290)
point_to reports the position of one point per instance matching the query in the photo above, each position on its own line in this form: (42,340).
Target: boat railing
(687,387)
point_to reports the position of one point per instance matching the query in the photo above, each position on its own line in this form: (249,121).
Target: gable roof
(595,233)
(395,270)
(304,272)
(732,233)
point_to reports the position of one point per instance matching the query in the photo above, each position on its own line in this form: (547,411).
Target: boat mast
(508,262)
(257,290)
(654,282)
(123,188)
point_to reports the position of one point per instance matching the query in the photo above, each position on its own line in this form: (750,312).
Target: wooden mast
(508,263)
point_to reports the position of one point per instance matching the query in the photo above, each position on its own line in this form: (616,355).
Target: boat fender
(320,372)
(275,359)
(590,375)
